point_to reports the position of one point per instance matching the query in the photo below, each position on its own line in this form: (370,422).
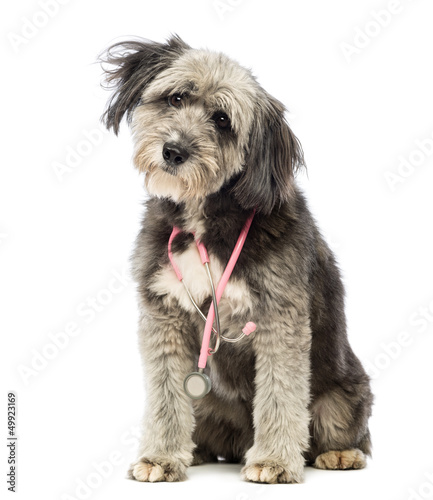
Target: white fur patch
(163,185)
(235,299)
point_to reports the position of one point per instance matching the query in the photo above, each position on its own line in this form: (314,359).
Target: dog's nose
(173,154)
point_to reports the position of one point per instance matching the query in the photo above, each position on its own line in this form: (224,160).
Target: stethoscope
(197,384)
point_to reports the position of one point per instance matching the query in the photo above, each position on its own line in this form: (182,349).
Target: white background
(64,237)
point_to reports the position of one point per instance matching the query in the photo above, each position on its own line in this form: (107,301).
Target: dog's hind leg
(339,434)
(341,398)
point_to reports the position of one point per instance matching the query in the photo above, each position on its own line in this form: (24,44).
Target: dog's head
(200,120)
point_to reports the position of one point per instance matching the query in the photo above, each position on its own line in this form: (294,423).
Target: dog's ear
(132,66)
(273,157)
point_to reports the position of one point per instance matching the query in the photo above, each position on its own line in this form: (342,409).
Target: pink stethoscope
(197,384)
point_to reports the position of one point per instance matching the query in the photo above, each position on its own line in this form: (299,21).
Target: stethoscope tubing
(213,314)
(204,352)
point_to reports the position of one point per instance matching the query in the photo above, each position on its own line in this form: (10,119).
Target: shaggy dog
(214,147)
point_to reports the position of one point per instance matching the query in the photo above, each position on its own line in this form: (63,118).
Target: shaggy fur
(213,146)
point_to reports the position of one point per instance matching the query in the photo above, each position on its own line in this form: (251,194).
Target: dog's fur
(291,393)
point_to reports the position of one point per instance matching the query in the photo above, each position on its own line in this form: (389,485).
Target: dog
(215,149)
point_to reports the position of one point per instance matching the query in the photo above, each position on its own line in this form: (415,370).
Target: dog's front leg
(281,415)
(166,448)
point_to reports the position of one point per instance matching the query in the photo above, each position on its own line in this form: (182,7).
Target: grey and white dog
(214,146)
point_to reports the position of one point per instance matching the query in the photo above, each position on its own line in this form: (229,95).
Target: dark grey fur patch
(134,65)
(274,156)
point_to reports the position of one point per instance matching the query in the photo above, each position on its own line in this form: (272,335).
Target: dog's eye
(221,119)
(175,100)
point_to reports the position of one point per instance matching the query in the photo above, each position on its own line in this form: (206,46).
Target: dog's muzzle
(174,155)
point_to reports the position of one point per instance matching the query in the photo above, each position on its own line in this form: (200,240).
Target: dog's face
(192,125)
(200,120)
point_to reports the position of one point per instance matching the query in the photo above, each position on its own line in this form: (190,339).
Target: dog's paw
(271,472)
(341,460)
(154,471)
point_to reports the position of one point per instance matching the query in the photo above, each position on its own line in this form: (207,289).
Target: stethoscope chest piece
(197,385)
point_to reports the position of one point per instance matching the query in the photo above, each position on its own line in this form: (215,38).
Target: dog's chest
(232,366)
(236,299)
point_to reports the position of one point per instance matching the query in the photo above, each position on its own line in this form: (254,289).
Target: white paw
(271,472)
(341,460)
(153,471)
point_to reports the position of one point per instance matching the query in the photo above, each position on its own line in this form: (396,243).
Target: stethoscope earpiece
(197,385)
